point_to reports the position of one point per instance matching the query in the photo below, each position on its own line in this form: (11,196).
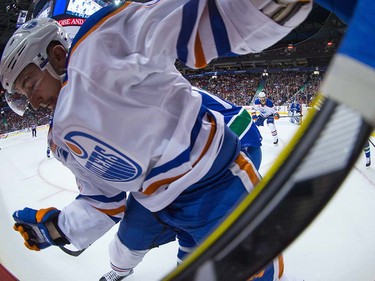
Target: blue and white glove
(39,228)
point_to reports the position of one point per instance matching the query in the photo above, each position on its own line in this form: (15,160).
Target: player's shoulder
(269,103)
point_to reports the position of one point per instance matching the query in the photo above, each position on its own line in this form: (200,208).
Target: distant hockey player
(177,159)
(295,112)
(48,152)
(50,123)
(33,130)
(367,153)
(267,111)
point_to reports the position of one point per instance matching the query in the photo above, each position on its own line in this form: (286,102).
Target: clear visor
(17,102)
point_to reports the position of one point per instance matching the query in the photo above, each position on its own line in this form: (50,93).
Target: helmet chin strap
(53,73)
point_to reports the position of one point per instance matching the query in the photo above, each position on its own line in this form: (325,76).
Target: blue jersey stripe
(179,160)
(104,199)
(189,18)
(211,103)
(185,155)
(220,32)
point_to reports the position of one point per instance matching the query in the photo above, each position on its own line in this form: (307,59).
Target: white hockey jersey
(266,109)
(127,120)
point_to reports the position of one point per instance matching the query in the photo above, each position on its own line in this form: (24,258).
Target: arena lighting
(290,48)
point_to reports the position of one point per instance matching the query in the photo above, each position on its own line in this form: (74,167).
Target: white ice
(338,245)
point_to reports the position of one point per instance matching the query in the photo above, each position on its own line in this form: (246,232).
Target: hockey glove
(39,228)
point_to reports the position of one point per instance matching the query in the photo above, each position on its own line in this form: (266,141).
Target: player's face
(39,86)
(262,100)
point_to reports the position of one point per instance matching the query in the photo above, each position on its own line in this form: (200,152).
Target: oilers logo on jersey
(101,158)
(262,111)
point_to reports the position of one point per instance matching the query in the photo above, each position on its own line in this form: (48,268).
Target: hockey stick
(287,116)
(284,203)
(297,119)
(284,116)
(304,178)
(36,237)
(72,252)
(371,142)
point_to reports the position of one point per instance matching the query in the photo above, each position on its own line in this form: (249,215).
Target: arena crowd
(240,89)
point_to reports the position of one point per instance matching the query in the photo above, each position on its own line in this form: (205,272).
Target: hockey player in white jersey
(140,223)
(171,153)
(267,111)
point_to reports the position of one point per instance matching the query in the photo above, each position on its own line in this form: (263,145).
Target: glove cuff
(49,217)
(58,238)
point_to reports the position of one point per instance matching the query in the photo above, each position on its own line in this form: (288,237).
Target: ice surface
(338,245)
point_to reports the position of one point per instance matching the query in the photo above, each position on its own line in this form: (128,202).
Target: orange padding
(281,265)
(42,212)
(112,212)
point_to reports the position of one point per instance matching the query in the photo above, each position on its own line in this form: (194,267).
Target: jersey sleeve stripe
(200,59)
(189,18)
(245,166)
(280,260)
(213,102)
(153,187)
(210,138)
(112,212)
(241,123)
(177,161)
(220,32)
(104,199)
(183,157)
